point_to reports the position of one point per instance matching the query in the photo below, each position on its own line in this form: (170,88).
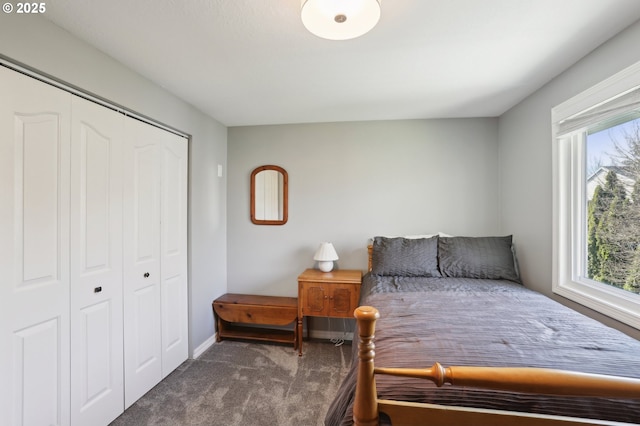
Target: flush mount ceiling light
(340,19)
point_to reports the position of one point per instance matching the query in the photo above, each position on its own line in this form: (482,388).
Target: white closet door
(97,389)
(34,252)
(175,345)
(142,319)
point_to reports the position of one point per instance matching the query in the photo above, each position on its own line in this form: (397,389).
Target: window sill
(610,301)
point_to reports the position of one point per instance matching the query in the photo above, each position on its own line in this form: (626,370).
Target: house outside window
(596,197)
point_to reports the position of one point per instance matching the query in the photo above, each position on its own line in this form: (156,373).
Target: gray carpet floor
(236,383)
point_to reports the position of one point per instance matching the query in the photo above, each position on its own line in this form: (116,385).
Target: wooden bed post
(365,408)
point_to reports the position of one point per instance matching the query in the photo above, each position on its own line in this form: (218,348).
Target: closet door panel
(34,248)
(97,392)
(37,197)
(36,382)
(174,253)
(142,320)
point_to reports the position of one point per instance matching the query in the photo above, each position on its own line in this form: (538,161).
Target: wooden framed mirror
(269,195)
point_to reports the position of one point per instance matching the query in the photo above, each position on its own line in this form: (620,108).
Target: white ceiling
(250,62)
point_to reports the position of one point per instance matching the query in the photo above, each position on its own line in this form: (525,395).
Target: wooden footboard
(533,380)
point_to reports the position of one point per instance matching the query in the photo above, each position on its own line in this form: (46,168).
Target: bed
(458,301)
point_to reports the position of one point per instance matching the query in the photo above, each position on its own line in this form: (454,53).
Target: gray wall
(351,181)
(41,45)
(526,161)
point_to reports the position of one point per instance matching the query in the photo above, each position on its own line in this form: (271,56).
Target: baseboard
(315,334)
(204,346)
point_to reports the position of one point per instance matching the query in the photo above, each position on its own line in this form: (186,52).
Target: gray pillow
(477,257)
(405,257)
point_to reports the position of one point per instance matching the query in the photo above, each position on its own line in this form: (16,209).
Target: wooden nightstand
(327,294)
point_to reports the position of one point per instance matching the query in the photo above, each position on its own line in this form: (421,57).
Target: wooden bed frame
(367,406)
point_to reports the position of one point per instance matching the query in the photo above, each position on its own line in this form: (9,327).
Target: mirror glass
(269,198)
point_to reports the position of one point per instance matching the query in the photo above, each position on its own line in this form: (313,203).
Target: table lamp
(325,256)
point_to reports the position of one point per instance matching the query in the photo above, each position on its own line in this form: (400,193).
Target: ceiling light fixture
(340,19)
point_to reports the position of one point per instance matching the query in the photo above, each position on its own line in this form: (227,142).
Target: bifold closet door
(173,247)
(93,256)
(141,221)
(97,387)
(155,258)
(34,252)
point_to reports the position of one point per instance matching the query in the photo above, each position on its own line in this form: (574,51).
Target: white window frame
(569,204)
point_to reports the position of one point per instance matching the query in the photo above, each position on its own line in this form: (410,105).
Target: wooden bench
(232,309)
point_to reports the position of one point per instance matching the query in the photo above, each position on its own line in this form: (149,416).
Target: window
(596,197)
(613,203)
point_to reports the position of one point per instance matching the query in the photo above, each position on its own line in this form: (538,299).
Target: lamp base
(326,266)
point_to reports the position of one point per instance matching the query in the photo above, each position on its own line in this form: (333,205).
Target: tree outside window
(613,206)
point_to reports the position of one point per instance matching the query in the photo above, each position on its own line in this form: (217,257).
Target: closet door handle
(146,275)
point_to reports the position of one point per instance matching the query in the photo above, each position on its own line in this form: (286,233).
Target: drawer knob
(146,275)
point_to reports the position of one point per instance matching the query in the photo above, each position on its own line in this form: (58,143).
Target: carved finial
(366,313)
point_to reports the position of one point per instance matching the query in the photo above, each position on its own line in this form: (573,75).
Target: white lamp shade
(340,19)
(325,255)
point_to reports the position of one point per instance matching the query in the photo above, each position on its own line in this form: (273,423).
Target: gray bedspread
(461,321)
